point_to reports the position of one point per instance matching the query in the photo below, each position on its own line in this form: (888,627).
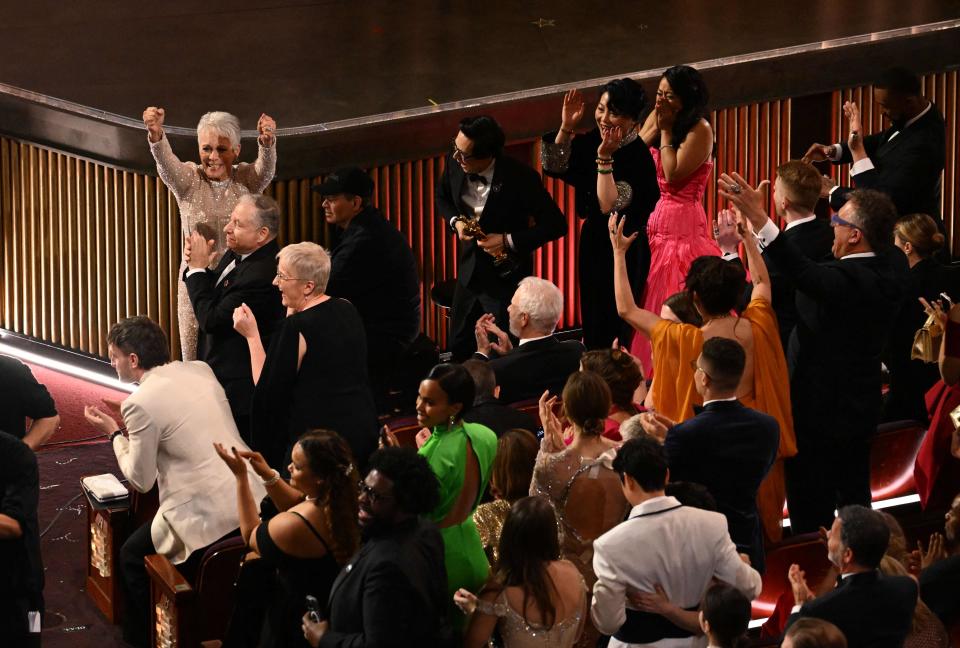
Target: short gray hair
(266,210)
(632,428)
(541,301)
(308,262)
(223,124)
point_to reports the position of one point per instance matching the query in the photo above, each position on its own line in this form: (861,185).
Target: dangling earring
(452,420)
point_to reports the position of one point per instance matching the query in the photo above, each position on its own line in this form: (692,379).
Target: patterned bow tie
(476,177)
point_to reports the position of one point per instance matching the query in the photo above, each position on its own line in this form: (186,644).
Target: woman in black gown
(300,550)
(315,372)
(612,170)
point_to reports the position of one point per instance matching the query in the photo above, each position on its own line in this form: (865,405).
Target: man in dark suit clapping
(506,199)
(540,361)
(871,609)
(244,275)
(845,311)
(726,447)
(393,592)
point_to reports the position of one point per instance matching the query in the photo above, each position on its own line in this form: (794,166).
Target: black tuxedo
(250,282)
(845,310)
(517,204)
(906,167)
(814,239)
(911,379)
(869,608)
(393,592)
(532,367)
(372,266)
(729,449)
(499,417)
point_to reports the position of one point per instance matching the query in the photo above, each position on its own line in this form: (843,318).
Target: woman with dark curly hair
(579,479)
(533,596)
(300,549)
(681,142)
(611,170)
(715,286)
(623,376)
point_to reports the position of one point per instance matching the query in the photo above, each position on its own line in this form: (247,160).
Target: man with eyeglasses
(845,308)
(393,592)
(243,276)
(508,202)
(371,266)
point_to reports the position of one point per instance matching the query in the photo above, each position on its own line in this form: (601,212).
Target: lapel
(229,257)
(459,178)
(346,572)
(496,184)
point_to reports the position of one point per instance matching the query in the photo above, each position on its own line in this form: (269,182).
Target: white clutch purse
(105,488)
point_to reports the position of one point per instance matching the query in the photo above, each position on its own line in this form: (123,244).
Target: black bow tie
(236,258)
(476,177)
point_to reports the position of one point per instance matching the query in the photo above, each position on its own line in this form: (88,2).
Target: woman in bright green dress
(461,455)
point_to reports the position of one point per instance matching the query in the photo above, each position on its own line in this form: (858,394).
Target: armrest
(173,619)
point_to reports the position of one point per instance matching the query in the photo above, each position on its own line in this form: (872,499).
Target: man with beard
(393,592)
(540,361)
(871,609)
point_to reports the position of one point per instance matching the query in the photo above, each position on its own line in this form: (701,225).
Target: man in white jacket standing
(170,424)
(662,544)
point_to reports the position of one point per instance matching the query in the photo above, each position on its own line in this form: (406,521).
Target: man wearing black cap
(373,267)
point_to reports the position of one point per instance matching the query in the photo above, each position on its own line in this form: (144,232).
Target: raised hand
(727,231)
(234,461)
(481,336)
(423,436)
(245,322)
(199,252)
(610,142)
(935,552)
(618,241)
(503,345)
(655,424)
(744,197)
(101,421)
(258,463)
(153,120)
(818,153)
(572,111)
(798,582)
(552,430)
(855,138)
(267,127)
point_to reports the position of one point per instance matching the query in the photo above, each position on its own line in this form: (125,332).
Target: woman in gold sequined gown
(206,193)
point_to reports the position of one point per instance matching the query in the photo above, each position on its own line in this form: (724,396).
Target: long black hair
(689,86)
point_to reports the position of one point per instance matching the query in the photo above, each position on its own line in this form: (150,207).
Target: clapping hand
(745,198)
(655,424)
(935,552)
(798,583)
(258,463)
(153,120)
(199,252)
(619,242)
(855,138)
(423,436)
(572,111)
(232,458)
(552,430)
(245,322)
(267,127)
(100,420)
(727,231)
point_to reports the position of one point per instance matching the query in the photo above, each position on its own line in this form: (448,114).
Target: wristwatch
(116,433)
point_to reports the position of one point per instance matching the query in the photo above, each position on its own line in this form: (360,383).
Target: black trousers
(136,582)
(468,306)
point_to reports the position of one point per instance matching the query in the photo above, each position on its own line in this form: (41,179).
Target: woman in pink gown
(681,142)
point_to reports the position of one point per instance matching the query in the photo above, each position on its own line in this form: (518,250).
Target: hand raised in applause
(618,241)
(572,111)
(798,583)
(100,420)
(818,153)
(258,463)
(153,120)
(935,552)
(423,436)
(199,251)
(267,128)
(552,430)
(502,345)
(744,197)
(727,234)
(656,425)
(232,458)
(855,133)
(245,322)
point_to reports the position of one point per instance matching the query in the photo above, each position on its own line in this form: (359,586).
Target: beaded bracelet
(604,171)
(566,132)
(601,160)
(273,480)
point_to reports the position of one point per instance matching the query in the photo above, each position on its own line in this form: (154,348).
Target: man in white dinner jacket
(662,543)
(170,424)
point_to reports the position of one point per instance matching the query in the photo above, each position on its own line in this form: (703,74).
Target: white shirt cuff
(193,271)
(453,222)
(768,233)
(794,609)
(860,166)
(837,152)
(730,256)
(509,239)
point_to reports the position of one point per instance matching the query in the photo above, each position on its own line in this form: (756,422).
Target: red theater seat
(892,454)
(806,550)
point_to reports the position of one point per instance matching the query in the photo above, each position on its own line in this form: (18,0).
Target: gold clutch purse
(926,341)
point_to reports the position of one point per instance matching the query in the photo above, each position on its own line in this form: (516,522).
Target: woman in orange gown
(715,286)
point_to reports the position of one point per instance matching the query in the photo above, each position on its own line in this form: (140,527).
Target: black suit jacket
(814,239)
(907,167)
(845,310)
(218,344)
(517,205)
(499,417)
(871,609)
(393,592)
(729,449)
(372,266)
(532,367)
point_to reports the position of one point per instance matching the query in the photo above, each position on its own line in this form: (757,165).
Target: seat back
(405,429)
(806,550)
(893,452)
(214,583)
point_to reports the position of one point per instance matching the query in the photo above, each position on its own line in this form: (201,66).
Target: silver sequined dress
(205,201)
